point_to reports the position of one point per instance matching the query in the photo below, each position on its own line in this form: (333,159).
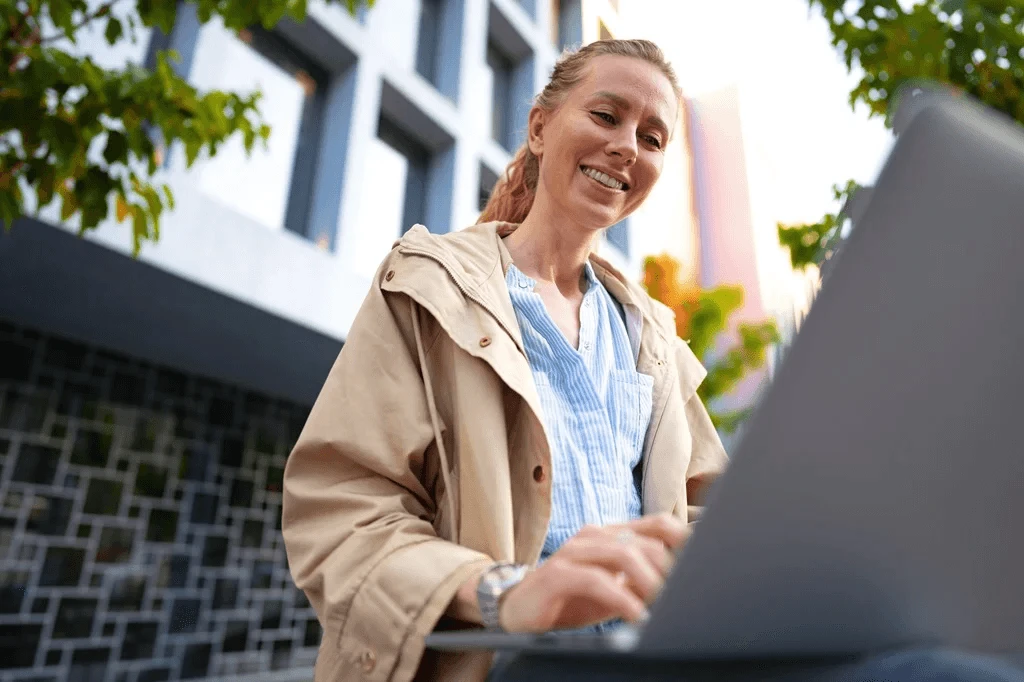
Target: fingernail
(645,616)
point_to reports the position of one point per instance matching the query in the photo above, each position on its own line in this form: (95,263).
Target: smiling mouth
(604,179)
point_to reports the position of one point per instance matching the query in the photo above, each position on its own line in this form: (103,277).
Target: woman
(511,436)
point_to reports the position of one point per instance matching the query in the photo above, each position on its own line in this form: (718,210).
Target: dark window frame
(487,180)
(502,69)
(430,153)
(439,45)
(278,50)
(568,23)
(327,68)
(511,59)
(418,159)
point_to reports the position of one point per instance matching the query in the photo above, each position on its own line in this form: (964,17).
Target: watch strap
(494,583)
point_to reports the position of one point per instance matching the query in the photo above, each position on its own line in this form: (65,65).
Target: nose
(623,145)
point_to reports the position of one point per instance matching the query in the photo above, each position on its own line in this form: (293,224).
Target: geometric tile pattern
(140,517)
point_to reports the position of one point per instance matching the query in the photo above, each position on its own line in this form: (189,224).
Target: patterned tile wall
(140,516)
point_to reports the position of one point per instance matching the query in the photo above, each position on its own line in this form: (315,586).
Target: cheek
(647,177)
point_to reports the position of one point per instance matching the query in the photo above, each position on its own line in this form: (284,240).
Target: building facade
(147,406)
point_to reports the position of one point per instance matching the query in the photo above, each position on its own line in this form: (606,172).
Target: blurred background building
(147,405)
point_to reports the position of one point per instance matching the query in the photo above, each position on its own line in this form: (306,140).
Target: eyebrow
(624,103)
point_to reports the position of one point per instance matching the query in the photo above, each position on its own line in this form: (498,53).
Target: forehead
(641,83)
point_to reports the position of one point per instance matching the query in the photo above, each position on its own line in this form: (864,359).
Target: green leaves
(114,30)
(975,47)
(94,139)
(813,244)
(702,316)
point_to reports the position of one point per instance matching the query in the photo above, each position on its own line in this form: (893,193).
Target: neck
(547,248)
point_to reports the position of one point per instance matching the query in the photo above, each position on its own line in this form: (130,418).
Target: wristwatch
(494,583)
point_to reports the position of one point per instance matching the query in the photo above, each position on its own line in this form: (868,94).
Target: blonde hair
(513,195)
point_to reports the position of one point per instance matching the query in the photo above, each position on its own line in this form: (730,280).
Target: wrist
(464,606)
(494,585)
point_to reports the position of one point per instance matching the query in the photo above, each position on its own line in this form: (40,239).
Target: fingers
(605,592)
(599,574)
(644,576)
(664,527)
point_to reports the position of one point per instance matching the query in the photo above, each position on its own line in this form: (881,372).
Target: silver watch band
(494,583)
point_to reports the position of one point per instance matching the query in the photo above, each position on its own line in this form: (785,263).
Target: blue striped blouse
(596,408)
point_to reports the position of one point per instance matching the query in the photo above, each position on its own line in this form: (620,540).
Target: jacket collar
(477,260)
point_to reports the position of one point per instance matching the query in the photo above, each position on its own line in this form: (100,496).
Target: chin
(595,217)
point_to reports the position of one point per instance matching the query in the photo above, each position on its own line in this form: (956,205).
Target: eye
(653,141)
(604,116)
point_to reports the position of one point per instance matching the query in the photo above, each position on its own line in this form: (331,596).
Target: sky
(793,86)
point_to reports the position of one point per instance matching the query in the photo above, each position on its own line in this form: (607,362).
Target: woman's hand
(600,574)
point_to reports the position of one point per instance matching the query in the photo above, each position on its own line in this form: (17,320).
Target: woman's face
(603,148)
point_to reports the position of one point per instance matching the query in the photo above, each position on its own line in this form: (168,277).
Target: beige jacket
(425,459)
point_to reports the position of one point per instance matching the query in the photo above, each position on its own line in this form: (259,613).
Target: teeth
(603,178)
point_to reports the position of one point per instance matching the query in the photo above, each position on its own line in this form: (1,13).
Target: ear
(535,130)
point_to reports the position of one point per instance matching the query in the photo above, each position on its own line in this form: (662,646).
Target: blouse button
(390,276)
(485,341)
(538,473)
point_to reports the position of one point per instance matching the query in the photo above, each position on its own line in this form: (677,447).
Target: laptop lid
(876,498)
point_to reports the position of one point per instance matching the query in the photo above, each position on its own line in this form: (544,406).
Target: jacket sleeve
(708,458)
(357,512)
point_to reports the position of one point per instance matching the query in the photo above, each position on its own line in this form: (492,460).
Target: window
(488,179)
(273,185)
(413,168)
(427,46)
(530,7)
(382,210)
(408,174)
(438,47)
(509,60)
(566,23)
(501,96)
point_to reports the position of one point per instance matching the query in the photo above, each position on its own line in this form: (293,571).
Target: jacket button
(485,341)
(367,660)
(390,276)
(538,473)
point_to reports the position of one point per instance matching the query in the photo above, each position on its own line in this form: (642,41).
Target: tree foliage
(974,47)
(814,243)
(92,138)
(701,316)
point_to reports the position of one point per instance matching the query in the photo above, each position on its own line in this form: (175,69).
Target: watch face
(507,573)
(493,585)
(499,579)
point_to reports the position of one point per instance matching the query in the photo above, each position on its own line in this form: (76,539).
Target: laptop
(876,497)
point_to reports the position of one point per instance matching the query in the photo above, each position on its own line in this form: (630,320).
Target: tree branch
(101,11)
